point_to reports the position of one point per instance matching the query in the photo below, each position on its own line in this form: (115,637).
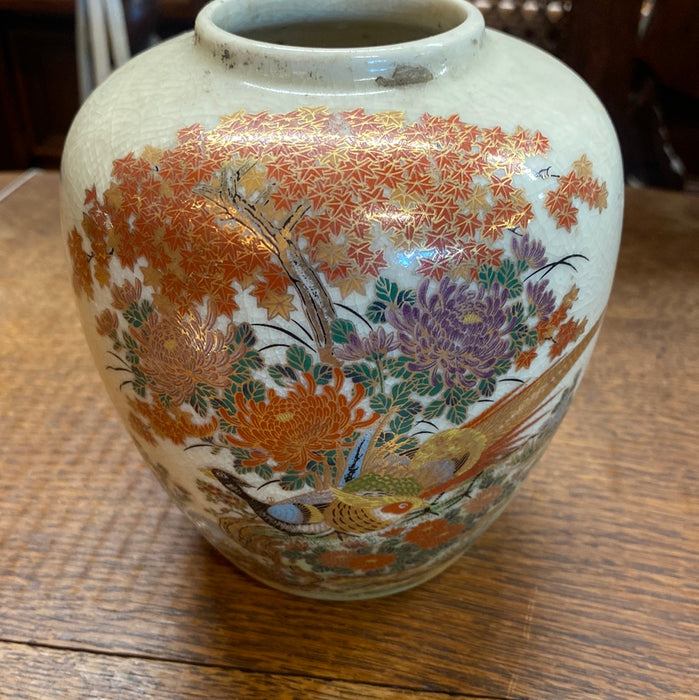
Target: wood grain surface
(586,587)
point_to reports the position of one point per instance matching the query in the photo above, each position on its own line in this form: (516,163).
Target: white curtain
(102,41)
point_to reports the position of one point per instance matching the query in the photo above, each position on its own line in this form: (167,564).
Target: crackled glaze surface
(342,336)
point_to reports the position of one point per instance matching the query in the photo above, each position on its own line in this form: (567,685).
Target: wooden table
(587,586)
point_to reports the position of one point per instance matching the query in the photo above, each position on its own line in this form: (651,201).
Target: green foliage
(252,359)
(139,384)
(406,296)
(397,366)
(508,277)
(388,294)
(264,471)
(434,409)
(131,347)
(240,455)
(381,404)
(282,374)
(501,366)
(455,401)
(487,386)
(522,267)
(487,275)
(401,424)
(244,335)
(298,359)
(386,290)
(292,481)
(322,374)
(253,390)
(365,374)
(376,312)
(405,443)
(402,402)
(457,414)
(400,393)
(516,313)
(421,384)
(239,374)
(300,362)
(532,338)
(315,466)
(227,401)
(341,329)
(199,400)
(137,313)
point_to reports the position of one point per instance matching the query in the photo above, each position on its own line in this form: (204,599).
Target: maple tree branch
(295,217)
(237,209)
(318,307)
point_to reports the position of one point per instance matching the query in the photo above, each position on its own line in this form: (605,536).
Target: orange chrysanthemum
(484,499)
(82,275)
(433,533)
(371,562)
(126,294)
(106,322)
(173,424)
(291,430)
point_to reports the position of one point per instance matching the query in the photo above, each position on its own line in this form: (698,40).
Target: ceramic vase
(341,266)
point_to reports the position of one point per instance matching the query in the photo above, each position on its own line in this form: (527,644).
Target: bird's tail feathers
(520,405)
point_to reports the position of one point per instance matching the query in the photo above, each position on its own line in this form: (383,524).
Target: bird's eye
(399,507)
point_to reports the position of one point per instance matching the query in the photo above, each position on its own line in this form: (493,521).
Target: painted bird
(379,487)
(498,431)
(455,456)
(326,511)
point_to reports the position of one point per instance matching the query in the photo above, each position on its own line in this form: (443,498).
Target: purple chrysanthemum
(531,251)
(542,298)
(457,334)
(376,344)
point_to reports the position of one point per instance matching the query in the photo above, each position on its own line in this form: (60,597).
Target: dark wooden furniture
(586,587)
(38,73)
(38,80)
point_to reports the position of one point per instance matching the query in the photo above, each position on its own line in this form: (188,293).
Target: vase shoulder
(508,83)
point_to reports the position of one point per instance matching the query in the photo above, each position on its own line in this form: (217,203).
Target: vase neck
(362,46)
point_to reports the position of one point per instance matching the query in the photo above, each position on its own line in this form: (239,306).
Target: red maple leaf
(525,359)
(567,216)
(539,145)
(502,186)
(126,168)
(555,201)
(434,266)
(369,262)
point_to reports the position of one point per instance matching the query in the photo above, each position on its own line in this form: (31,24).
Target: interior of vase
(331,24)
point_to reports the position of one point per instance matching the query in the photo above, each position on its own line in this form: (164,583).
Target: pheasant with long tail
(379,487)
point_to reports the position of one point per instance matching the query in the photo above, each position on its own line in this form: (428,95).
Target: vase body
(341,291)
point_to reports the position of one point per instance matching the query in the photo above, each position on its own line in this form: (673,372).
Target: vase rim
(233,32)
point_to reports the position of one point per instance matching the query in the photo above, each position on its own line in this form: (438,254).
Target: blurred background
(640,56)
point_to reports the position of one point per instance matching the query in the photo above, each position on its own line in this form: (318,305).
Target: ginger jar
(341,266)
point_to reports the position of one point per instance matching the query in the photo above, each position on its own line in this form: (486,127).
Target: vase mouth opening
(326,25)
(358,45)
